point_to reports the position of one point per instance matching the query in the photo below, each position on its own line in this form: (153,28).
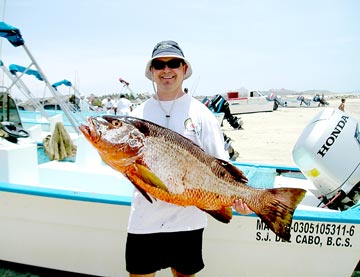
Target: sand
(269,137)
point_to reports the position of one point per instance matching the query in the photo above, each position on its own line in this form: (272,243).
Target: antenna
(194,87)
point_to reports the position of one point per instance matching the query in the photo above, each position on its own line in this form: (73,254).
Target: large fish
(167,166)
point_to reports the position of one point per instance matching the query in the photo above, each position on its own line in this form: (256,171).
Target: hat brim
(148,65)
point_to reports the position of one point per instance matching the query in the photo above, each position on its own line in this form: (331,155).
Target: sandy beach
(269,138)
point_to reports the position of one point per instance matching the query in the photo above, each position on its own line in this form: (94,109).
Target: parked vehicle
(251,102)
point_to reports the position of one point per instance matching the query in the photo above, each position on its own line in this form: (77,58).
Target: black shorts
(148,253)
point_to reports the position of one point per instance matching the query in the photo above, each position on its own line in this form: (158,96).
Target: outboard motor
(217,107)
(273,97)
(220,105)
(328,154)
(302,100)
(321,100)
(228,147)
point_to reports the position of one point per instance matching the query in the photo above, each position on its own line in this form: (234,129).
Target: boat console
(10,123)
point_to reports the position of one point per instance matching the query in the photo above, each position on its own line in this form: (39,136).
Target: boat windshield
(8,110)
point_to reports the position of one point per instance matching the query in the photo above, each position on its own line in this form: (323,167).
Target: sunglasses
(174,63)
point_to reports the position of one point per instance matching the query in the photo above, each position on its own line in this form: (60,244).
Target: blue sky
(264,44)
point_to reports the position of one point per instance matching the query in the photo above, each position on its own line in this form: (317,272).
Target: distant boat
(252,102)
(301,102)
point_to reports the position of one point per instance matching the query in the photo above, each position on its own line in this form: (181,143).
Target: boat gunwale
(66,194)
(350,216)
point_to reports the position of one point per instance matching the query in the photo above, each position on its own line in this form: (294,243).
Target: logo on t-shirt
(191,127)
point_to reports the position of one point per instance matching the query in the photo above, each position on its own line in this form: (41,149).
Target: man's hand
(241,207)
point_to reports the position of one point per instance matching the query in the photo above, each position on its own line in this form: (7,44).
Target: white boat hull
(69,235)
(89,237)
(249,250)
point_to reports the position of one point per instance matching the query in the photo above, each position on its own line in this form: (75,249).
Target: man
(124,106)
(160,234)
(84,105)
(342,105)
(108,105)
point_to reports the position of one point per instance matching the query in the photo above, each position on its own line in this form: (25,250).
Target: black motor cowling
(220,105)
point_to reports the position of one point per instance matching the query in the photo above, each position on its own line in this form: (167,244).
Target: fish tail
(278,208)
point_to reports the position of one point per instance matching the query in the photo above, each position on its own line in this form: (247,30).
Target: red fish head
(115,140)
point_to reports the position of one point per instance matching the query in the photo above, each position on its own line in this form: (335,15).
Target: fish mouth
(85,130)
(91,131)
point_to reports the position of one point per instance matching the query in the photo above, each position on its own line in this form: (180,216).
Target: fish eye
(116,123)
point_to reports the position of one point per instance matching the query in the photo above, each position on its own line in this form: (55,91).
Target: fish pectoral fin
(135,180)
(150,178)
(224,215)
(143,192)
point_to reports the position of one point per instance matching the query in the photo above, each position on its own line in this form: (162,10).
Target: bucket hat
(166,49)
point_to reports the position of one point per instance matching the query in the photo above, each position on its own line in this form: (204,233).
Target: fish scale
(184,164)
(167,166)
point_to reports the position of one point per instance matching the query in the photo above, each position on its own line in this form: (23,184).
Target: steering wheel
(13,131)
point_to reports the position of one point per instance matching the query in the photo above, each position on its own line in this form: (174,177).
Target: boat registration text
(322,234)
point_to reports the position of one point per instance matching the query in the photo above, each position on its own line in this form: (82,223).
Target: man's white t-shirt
(192,119)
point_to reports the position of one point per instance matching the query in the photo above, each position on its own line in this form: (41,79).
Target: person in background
(83,104)
(161,234)
(124,106)
(74,101)
(342,105)
(108,105)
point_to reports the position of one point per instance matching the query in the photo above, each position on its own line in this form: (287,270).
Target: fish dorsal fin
(234,171)
(150,178)
(224,215)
